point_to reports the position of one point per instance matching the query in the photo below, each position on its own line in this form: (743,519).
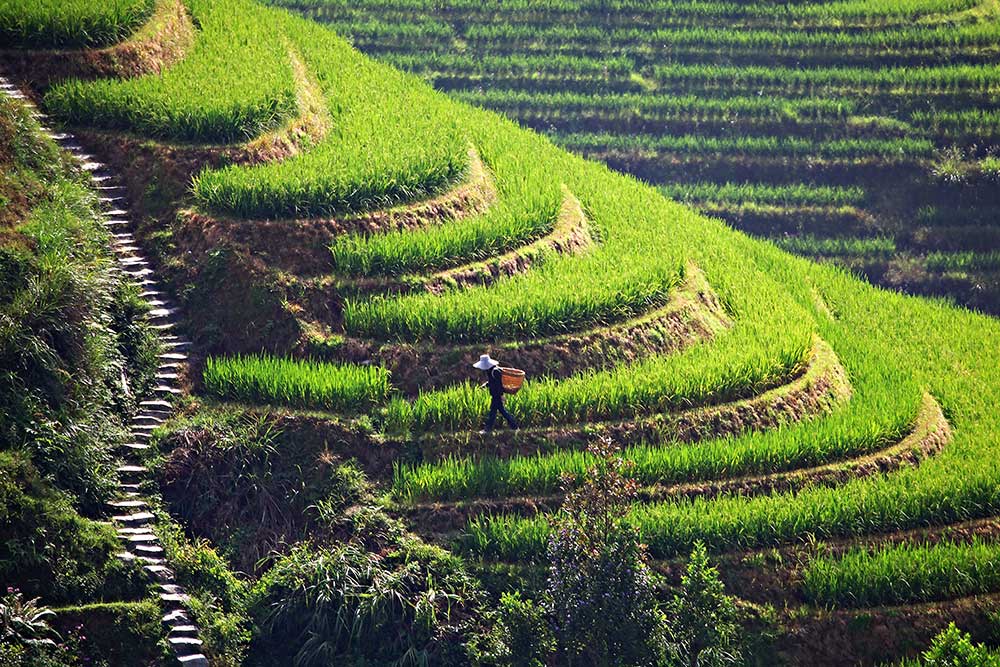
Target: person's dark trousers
(496,405)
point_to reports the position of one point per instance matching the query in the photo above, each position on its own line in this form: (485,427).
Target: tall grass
(234,84)
(963,261)
(903,573)
(44,24)
(609,107)
(297,383)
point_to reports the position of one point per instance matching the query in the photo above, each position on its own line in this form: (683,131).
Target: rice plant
(234,84)
(48,24)
(902,573)
(296,383)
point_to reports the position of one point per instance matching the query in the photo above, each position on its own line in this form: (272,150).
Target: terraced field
(345,242)
(859,133)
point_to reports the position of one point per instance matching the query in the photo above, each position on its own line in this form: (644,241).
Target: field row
(654,14)
(494,37)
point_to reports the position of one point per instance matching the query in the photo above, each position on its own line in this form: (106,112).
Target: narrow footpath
(134,519)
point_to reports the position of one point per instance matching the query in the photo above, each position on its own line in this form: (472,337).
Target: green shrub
(345,605)
(49,549)
(954,648)
(523,632)
(703,623)
(600,590)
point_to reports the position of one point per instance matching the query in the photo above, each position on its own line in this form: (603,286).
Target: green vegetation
(756,449)
(856,430)
(206,96)
(904,573)
(954,647)
(309,384)
(696,96)
(529,210)
(71,336)
(70,23)
(377,154)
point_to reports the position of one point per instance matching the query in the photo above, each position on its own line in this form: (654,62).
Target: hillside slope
(346,242)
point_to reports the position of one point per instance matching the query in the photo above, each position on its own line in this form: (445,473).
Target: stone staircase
(134,519)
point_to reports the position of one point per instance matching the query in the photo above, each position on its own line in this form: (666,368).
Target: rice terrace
(512,333)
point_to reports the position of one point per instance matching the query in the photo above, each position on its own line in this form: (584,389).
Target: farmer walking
(494,382)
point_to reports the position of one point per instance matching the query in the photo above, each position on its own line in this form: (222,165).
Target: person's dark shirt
(495,382)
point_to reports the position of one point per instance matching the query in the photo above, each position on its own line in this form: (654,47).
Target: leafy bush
(703,623)
(523,632)
(600,590)
(50,549)
(345,605)
(954,648)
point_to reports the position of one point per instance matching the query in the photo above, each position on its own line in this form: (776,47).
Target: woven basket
(512,379)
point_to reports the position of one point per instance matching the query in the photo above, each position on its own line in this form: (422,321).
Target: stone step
(133,518)
(167,376)
(160,573)
(148,549)
(134,446)
(173,356)
(166,391)
(144,538)
(179,630)
(193,660)
(184,641)
(137,273)
(170,366)
(132,470)
(133,558)
(146,419)
(163,405)
(178,345)
(126,504)
(174,597)
(176,617)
